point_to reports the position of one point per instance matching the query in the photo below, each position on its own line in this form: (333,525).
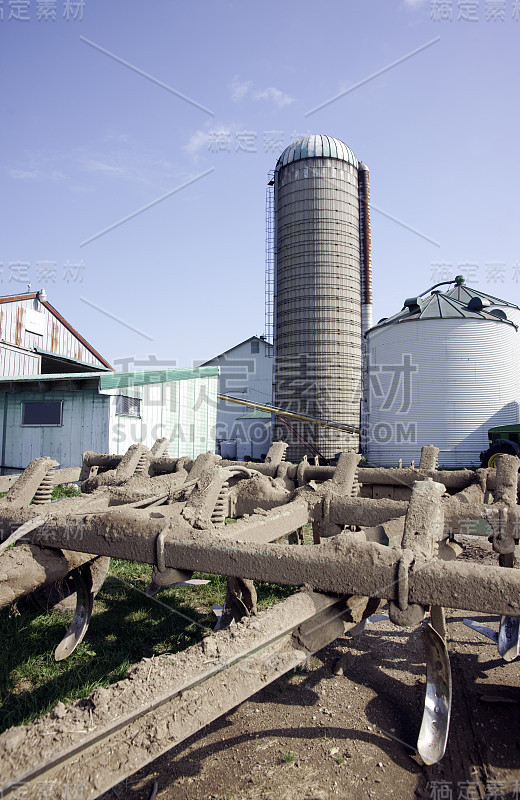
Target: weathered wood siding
(84,427)
(18,362)
(55,337)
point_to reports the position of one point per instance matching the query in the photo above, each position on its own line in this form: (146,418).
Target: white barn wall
(247,376)
(183,411)
(193,417)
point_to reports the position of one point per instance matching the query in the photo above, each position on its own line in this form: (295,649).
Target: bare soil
(314,735)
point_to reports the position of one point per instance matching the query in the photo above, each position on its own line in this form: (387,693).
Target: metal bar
(290,414)
(171,697)
(341,564)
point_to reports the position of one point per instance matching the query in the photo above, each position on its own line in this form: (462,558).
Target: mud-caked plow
(378,536)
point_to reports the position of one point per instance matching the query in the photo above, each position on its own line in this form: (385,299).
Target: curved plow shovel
(82,577)
(508,637)
(435,725)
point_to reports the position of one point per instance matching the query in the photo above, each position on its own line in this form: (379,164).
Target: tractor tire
(489,457)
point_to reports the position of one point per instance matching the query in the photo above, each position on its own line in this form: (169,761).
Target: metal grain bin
(440,372)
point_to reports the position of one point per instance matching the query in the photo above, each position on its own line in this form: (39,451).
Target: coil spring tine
(141,465)
(218,517)
(43,493)
(355,486)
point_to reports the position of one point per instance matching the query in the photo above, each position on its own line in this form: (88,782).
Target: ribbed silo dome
(316,146)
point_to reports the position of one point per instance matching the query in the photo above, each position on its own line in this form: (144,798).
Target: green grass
(67,490)
(288,757)
(125,627)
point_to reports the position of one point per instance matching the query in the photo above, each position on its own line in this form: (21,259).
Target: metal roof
(466,293)
(121,380)
(117,380)
(438,306)
(51,376)
(316,146)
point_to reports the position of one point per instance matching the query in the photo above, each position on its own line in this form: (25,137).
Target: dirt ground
(314,735)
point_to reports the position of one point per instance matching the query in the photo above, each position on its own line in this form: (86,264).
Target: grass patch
(289,757)
(67,490)
(125,627)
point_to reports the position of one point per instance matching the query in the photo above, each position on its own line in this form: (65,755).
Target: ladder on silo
(269,262)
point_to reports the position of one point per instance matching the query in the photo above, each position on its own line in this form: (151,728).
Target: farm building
(35,339)
(63,415)
(246,372)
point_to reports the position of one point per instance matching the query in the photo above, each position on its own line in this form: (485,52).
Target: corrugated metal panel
(73,360)
(183,411)
(56,338)
(442,382)
(120,380)
(318,297)
(17,362)
(192,416)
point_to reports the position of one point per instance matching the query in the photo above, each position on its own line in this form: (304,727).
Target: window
(255,346)
(128,406)
(42,413)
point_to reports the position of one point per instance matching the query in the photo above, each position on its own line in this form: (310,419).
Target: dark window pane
(42,413)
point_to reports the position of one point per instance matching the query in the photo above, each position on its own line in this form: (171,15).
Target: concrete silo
(322,265)
(442,371)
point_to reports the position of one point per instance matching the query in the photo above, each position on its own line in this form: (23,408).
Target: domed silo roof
(466,294)
(442,372)
(316,146)
(440,305)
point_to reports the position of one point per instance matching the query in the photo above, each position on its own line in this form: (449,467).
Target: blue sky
(179,110)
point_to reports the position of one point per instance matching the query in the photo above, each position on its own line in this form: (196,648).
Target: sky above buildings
(138,138)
